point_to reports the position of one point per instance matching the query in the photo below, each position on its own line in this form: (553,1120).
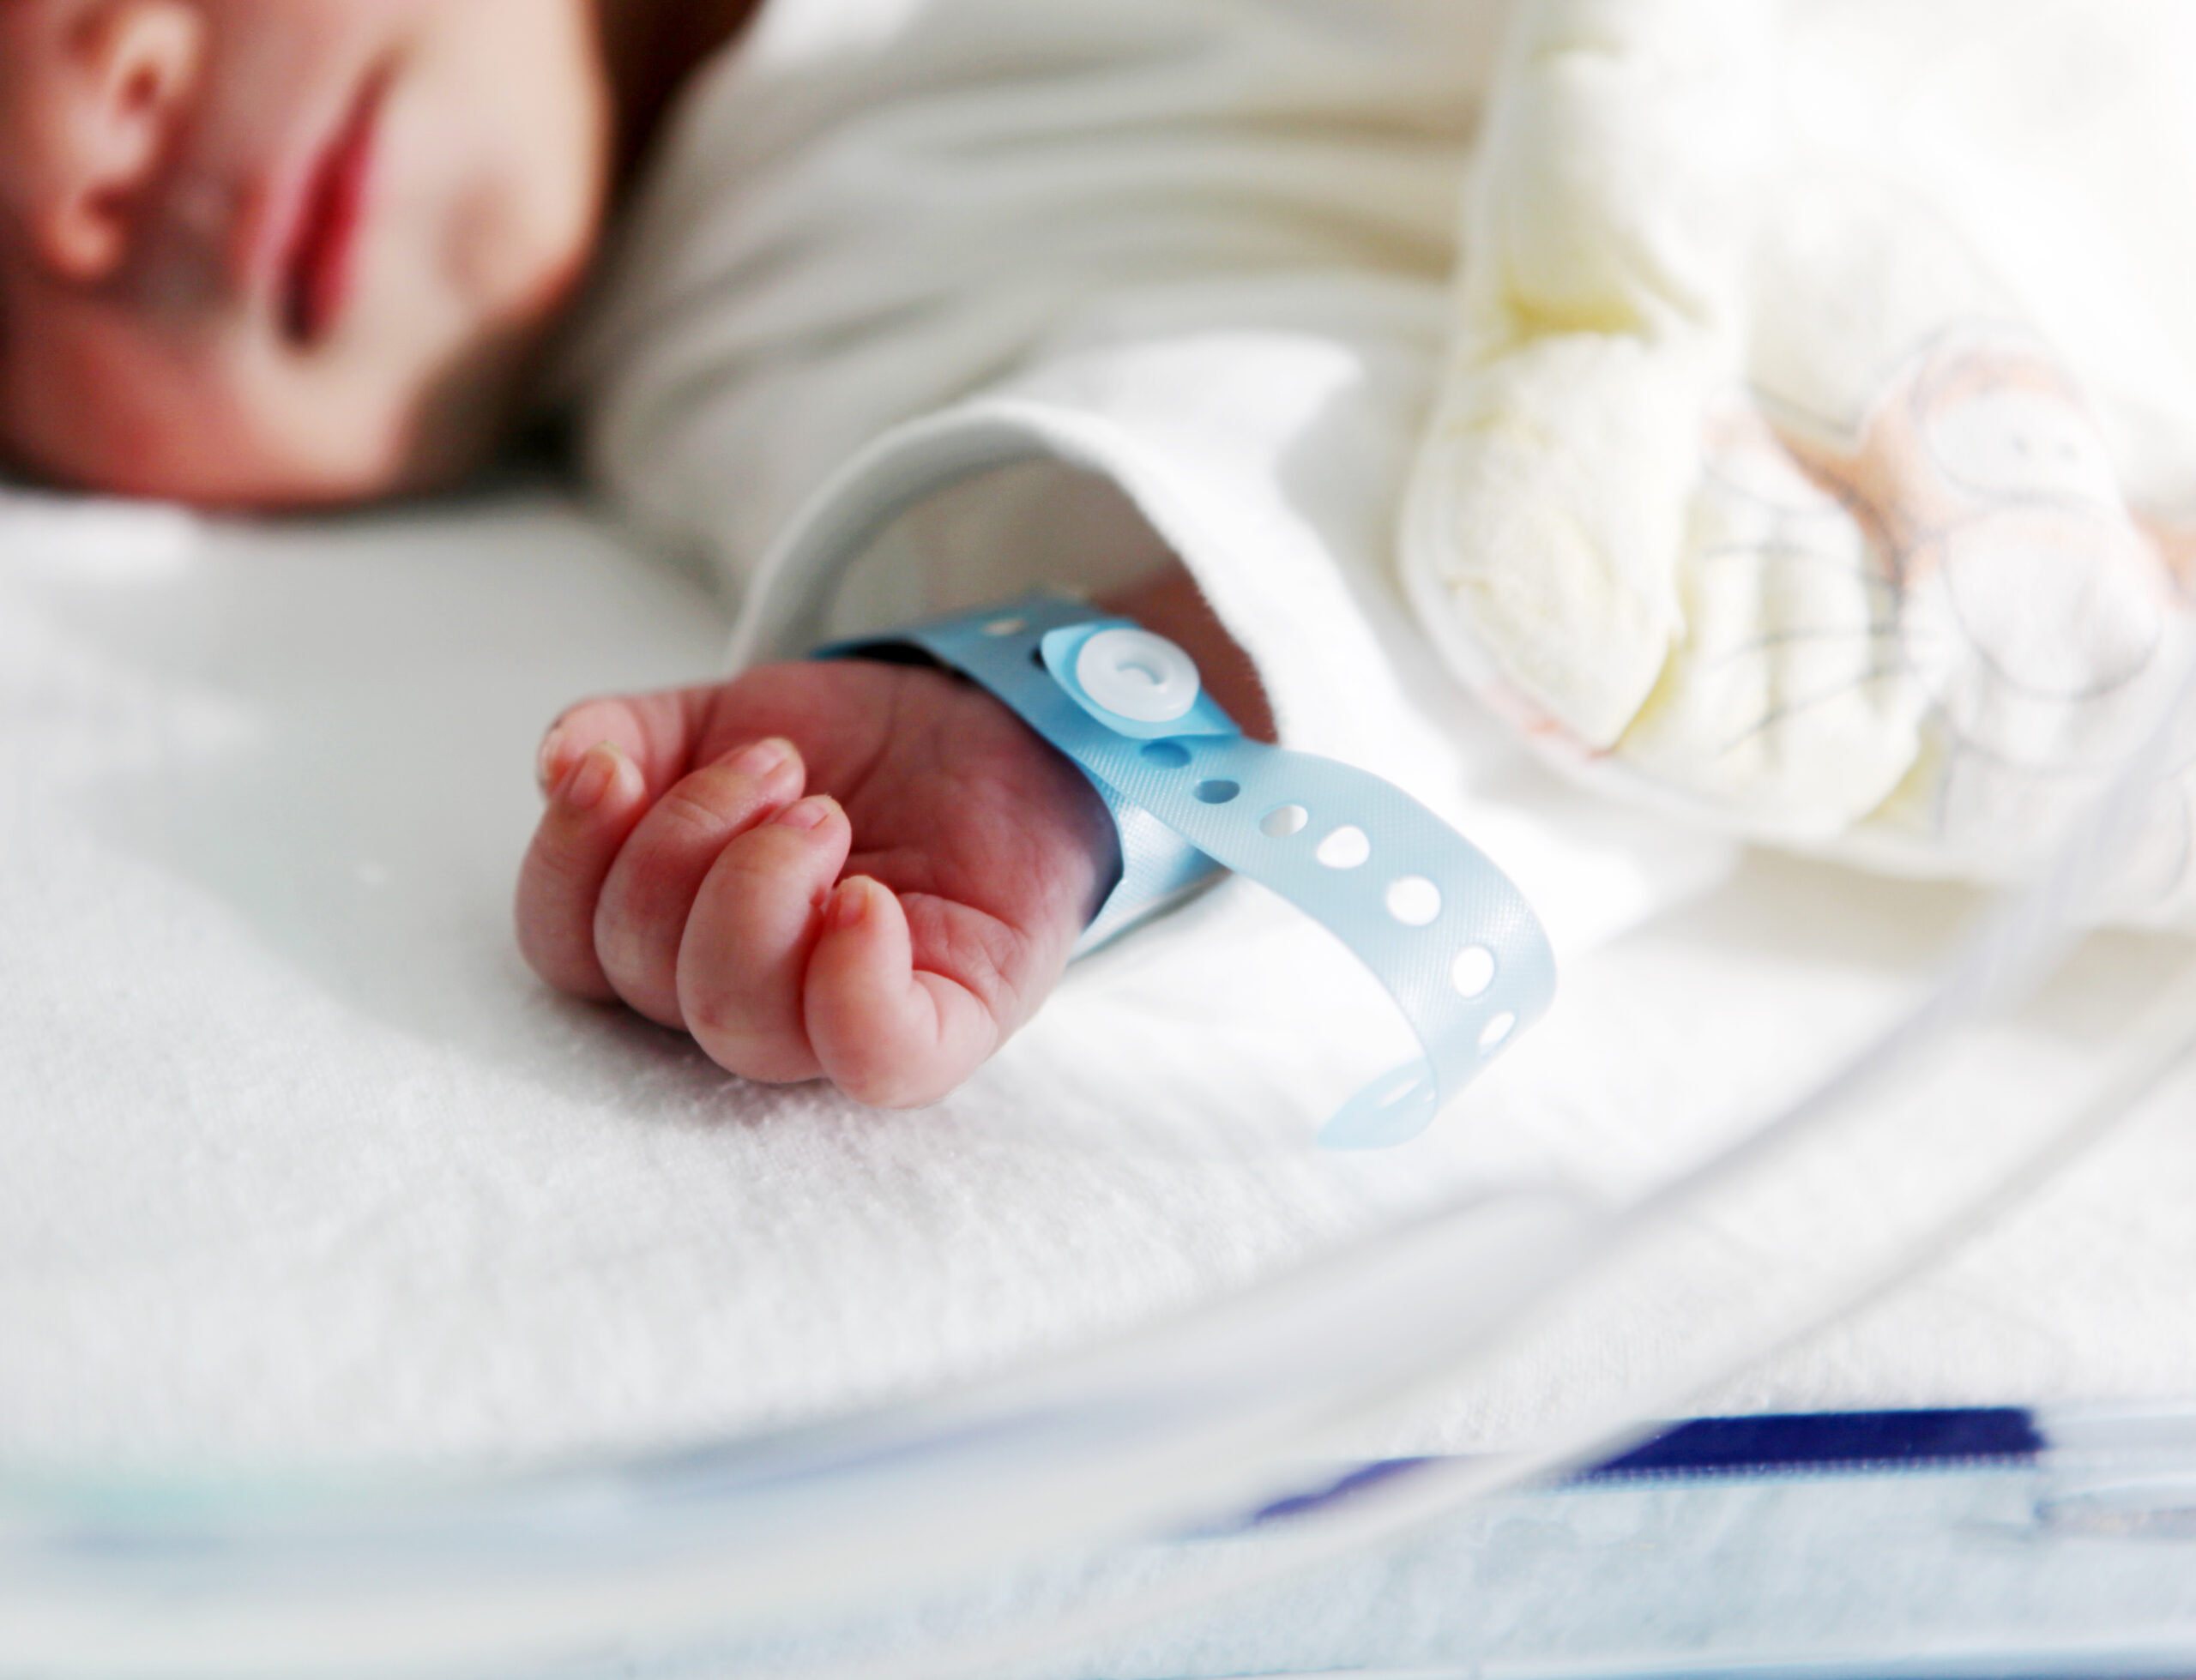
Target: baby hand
(870,872)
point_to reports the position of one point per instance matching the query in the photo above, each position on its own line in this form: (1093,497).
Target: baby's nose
(96,117)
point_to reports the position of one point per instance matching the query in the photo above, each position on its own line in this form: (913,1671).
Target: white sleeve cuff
(1264,461)
(1268,463)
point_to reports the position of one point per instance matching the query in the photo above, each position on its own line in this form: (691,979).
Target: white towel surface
(302,1164)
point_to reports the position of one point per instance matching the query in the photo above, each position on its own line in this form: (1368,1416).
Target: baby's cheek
(101,396)
(89,398)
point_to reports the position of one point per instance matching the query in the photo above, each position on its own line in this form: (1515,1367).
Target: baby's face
(268,252)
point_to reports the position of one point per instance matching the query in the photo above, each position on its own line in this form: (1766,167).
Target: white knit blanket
(1818,453)
(302,1164)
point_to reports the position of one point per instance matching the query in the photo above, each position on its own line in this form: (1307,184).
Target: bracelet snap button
(1137,674)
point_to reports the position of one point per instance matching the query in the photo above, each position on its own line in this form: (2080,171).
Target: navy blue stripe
(1807,1441)
(1829,1440)
(1364,1475)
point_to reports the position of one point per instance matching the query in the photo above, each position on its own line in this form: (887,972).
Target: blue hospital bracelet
(1444,930)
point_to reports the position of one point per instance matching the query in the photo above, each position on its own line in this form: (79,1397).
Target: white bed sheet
(302,1164)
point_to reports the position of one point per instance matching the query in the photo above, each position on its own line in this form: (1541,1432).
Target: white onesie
(1174,270)
(929,300)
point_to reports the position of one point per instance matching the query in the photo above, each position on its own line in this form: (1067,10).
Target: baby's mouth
(322,261)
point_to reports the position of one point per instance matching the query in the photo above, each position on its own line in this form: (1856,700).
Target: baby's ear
(92,119)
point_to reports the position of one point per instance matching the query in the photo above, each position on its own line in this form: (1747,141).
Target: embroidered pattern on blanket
(1959,577)
(1763,484)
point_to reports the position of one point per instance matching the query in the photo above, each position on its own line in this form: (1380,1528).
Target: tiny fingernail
(591,777)
(807,812)
(545,759)
(848,904)
(762,758)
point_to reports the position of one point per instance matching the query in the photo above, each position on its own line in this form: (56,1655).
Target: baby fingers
(596,797)
(885,1032)
(754,924)
(648,892)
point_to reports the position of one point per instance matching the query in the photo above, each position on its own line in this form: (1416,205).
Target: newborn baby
(287,253)
(907,305)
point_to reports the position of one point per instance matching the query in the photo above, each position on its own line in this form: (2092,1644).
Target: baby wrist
(1454,942)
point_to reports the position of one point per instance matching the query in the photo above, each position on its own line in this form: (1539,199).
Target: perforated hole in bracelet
(1283,821)
(1413,900)
(1345,848)
(1167,754)
(1473,971)
(1218,791)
